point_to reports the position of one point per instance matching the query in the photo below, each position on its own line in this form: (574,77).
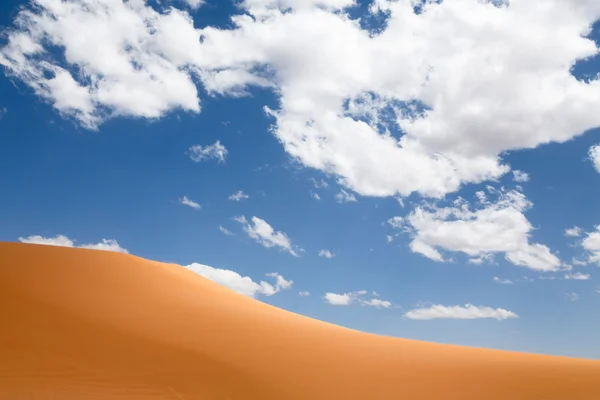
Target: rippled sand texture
(82,324)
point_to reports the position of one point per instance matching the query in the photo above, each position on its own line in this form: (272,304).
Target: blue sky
(95,161)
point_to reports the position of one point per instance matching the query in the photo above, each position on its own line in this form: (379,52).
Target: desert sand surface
(85,324)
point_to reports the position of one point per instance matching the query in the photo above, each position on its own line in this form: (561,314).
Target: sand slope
(82,324)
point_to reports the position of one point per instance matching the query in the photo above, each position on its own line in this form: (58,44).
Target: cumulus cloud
(346,299)
(263,233)
(591,244)
(214,151)
(326,253)
(594,155)
(345,197)
(503,83)
(238,196)
(498,227)
(315,196)
(190,203)
(469,311)
(241,284)
(61,240)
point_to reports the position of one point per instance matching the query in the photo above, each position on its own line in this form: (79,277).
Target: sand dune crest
(84,324)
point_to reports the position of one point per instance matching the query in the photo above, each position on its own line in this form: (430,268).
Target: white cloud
(315,196)
(241,284)
(263,233)
(345,197)
(594,155)
(125,60)
(338,299)
(238,196)
(499,227)
(503,281)
(349,298)
(225,231)
(377,303)
(520,176)
(578,276)
(573,232)
(326,253)
(214,151)
(502,83)
(195,4)
(591,244)
(478,87)
(304,294)
(389,238)
(190,203)
(469,311)
(61,240)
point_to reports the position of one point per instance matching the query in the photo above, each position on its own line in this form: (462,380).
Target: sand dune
(83,324)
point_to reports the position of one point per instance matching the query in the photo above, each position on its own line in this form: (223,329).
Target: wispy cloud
(189,202)
(326,253)
(238,196)
(225,231)
(345,197)
(346,299)
(469,311)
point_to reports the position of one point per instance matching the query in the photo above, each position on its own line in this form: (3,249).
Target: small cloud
(578,276)
(225,231)
(572,296)
(503,281)
(469,311)
(573,232)
(263,233)
(326,253)
(520,176)
(238,196)
(194,5)
(315,195)
(345,197)
(188,202)
(214,151)
(389,238)
(63,241)
(304,294)
(376,303)
(349,298)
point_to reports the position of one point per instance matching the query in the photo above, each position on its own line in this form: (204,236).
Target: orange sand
(81,324)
